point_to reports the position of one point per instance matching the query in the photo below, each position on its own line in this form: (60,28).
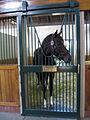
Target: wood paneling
(84,4)
(87,87)
(9,85)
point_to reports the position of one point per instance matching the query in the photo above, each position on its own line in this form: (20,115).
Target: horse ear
(56,32)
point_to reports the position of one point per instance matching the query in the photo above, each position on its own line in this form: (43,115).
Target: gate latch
(78,68)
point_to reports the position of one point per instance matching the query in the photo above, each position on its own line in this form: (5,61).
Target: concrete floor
(15,116)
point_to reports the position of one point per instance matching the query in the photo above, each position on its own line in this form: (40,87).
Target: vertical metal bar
(11,44)
(3,43)
(14,42)
(1,39)
(28,40)
(32,59)
(66,72)
(69,51)
(26,54)
(28,62)
(73,56)
(32,39)
(73,90)
(62,81)
(8,41)
(72,61)
(70,92)
(35,78)
(56,91)
(39,75)
(78,60)
(69,29)
(49,59)
(53,90)
(66,92)
(27,91)
(25,40)
(30,91)
(21,62)
(86,40)
(89,35)
(59,92)
(42,72)
(72,43)
(38,64)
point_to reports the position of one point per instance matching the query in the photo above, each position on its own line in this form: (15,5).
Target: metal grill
(8,41)
(87,34)
(66,76)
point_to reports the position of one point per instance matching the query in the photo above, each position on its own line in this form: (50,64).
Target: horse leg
(44,91)
(38,80)
(51,88)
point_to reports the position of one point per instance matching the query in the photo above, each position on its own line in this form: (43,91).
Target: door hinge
(78,68)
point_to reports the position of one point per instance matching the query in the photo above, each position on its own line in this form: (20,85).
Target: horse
(52,45)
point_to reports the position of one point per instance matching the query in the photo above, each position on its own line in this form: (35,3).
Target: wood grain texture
(84,4)
(9,85)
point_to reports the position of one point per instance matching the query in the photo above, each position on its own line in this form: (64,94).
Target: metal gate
(34,25)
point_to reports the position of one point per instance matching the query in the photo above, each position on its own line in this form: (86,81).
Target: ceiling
(7,4)
(40,20)
(84,4)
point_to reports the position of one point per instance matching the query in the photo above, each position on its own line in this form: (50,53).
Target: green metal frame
(24,69)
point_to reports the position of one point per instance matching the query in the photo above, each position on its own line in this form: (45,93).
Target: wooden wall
(84,4)
(9,85)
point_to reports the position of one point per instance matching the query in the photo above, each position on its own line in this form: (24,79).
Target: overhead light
(11,5)
(58,14)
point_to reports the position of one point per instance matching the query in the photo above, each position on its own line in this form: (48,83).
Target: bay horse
(53,44)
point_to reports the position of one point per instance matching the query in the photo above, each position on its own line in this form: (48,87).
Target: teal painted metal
(65,90)
(21,62)
(78,61)
(72,3)
(36,103)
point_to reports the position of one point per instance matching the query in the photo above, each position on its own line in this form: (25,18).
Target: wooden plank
(17,88)
(9,83)
(8,104)
(8,67)
(84,4)
(3,86)
(7,86)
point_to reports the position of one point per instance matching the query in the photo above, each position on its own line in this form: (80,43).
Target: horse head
(53,44)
